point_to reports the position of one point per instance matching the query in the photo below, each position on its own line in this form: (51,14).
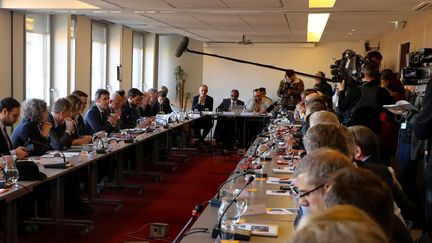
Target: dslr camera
(419,71)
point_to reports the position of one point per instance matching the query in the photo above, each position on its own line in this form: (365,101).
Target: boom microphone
(182,47)
(185,41)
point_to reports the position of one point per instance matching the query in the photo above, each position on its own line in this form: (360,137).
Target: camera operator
(423,130)
(363,103)
(290,89)
(374,56)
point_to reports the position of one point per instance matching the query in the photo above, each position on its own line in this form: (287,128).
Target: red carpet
(169,201)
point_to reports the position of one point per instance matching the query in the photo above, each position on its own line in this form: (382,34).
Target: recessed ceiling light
(321,3)
(349,33)
(316,26)
(353,30)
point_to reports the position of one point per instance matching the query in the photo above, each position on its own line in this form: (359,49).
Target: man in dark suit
(202,102)
(153,107)
(130,113)
(9,113)
(225,128)
(227,104)
(97,117)
(62,124)
(80,128)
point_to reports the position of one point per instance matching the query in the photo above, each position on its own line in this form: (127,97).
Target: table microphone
(63,165)
(216,202)
(241,234)
(195,214)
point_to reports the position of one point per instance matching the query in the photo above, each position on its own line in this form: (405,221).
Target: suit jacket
(95,121)
(226,103)
(59,138)
(130,115)
(152,110)
(80,128)
(4,148)
(208,103)
(28,129)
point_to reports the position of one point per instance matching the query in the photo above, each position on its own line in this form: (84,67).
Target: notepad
(278,193)
(260,229)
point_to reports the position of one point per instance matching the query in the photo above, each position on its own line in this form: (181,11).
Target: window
(72,52)
(37,83)
(137,61)
(99,56)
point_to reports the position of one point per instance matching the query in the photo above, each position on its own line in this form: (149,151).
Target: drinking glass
(11,170)
(234,210)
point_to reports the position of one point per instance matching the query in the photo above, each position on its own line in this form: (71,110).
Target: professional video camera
(348,68)
(419,71)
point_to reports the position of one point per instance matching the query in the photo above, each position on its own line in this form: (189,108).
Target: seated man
(265,99)
(313,175)
(80,128)
(9,114)
(62,124)
(97,117)
(145,99)
(164,103)
(152,108)
(33,131)
(76,107)
(225,128)
(202,102)
(130,113)
(363,189)
(227,104)
(256,104)
(115,105)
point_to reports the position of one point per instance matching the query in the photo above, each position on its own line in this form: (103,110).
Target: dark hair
(134,92)
(371,69)
(235,90)
(321,74)
(121,92)
(307,92)
(61,105)
(365,190)
(162,94)
(365,138)
(255,90)
(79,93)
(9,103)
(101,92)
(373,54)
(262,89)
(289,73)
(395,85)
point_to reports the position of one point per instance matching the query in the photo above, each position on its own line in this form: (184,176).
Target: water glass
(11,171)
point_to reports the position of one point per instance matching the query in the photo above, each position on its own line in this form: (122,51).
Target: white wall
(221,75)
(192,64)
(18,49)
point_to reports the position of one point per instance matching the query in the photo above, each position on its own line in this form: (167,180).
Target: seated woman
(33,131)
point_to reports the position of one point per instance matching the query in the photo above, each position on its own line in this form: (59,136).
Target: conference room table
(257,198)
(9,197)
(242,120)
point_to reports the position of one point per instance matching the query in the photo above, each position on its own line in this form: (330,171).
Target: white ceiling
(260,20)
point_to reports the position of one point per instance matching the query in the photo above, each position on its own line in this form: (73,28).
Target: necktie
(7,139)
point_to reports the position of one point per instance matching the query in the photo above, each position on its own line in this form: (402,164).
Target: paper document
(282,211)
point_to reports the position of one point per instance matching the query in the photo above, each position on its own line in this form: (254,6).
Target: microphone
(240,234)
(182,47)
(63,165)
(195,214)
(270,108)
(216,202)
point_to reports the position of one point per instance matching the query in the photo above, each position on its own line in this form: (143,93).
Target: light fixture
(316,26)
(29,24)
(321,3)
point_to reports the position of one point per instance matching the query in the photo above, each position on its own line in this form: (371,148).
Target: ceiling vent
(423,6)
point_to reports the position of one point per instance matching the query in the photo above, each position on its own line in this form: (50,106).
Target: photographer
(290,89)
(423,130)
(363,103)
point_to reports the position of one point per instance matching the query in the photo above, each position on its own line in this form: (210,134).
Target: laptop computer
(237,108)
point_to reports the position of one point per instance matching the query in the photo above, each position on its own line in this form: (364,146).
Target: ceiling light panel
(321,3)
(316,25)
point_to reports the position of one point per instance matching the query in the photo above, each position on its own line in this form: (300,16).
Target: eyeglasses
(304,194)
